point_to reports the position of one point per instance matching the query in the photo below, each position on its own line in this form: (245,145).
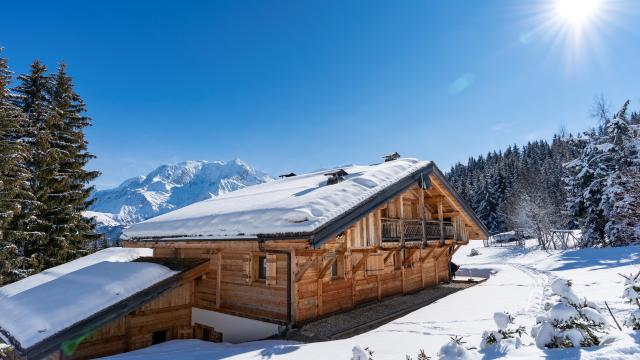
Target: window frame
(260,274)
(338,265)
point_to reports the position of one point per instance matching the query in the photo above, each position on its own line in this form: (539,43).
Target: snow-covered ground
(519,283)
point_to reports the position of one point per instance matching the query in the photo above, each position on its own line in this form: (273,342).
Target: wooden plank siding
(320,297)
(171,311)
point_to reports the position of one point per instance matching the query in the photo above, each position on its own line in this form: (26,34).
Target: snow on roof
(42,305)
(297,204)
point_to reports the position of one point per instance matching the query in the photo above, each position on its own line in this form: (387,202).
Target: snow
(41,305)
(290,205)
(167,188)
(502,320)
(520,284)
(563,313)
(359,353)
(101,218)
(114,254)
(454,351)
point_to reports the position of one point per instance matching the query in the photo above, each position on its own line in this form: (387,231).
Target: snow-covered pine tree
(585,185)
(15,195)
(486,199)
(631,293)
(71,231)
(45,135)
(621,199)
(604,183)
(504,335)
(493,184)
(455,350)
(572,322)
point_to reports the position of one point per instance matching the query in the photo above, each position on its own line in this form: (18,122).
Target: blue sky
(300,85)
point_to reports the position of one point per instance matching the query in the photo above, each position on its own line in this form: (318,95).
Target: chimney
(391,157)
(335,176)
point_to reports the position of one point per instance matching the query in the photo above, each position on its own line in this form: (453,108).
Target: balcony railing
(413,230)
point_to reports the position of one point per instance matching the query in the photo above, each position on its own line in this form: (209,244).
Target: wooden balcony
(412,230)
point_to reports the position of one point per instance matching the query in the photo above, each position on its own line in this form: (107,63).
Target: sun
(577,13)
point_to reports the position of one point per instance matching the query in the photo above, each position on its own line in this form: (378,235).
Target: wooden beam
(195,272)
(407,259)
(219,281)
(326,267)
(359,264)
(423,258)
(444,250)
(303,269)
(389,254)
(440,218)
(401,205)
(441,188)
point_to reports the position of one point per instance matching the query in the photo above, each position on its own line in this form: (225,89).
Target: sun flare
(577,13)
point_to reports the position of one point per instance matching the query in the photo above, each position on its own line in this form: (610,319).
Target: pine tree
(621,198)
(572,322)
(15,196)
(32,98)
(586,182)
(72,232)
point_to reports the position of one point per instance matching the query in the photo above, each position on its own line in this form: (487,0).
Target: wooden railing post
(401,221)
(441,219)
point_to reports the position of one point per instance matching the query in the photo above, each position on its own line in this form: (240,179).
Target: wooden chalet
(279,254)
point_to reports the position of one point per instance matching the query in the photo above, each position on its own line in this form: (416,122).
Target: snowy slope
(296,204)
(167,188)
(519,283)
(46,303)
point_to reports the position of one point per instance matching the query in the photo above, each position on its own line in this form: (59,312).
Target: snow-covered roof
(293,205)
(42,305)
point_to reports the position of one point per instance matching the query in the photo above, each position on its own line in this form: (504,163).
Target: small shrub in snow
(633,321)
(496,337)
(632,294)
(421,356)
(474,252)
(572,322)
(361,353)
(454,350)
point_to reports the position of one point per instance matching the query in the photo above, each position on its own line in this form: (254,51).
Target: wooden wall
(228,288)
(317,296)
(171,311)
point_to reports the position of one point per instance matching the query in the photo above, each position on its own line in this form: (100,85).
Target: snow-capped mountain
(167,188)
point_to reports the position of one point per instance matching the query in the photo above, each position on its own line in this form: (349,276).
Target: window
(397,261)
(206,334)
(262,267)
(337,268)
(158,337)
(334,269)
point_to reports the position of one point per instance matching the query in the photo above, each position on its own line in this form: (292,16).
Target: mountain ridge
(166,188)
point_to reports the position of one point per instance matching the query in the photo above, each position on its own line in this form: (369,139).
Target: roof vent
(286,175)
(335,176)
(391,157)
